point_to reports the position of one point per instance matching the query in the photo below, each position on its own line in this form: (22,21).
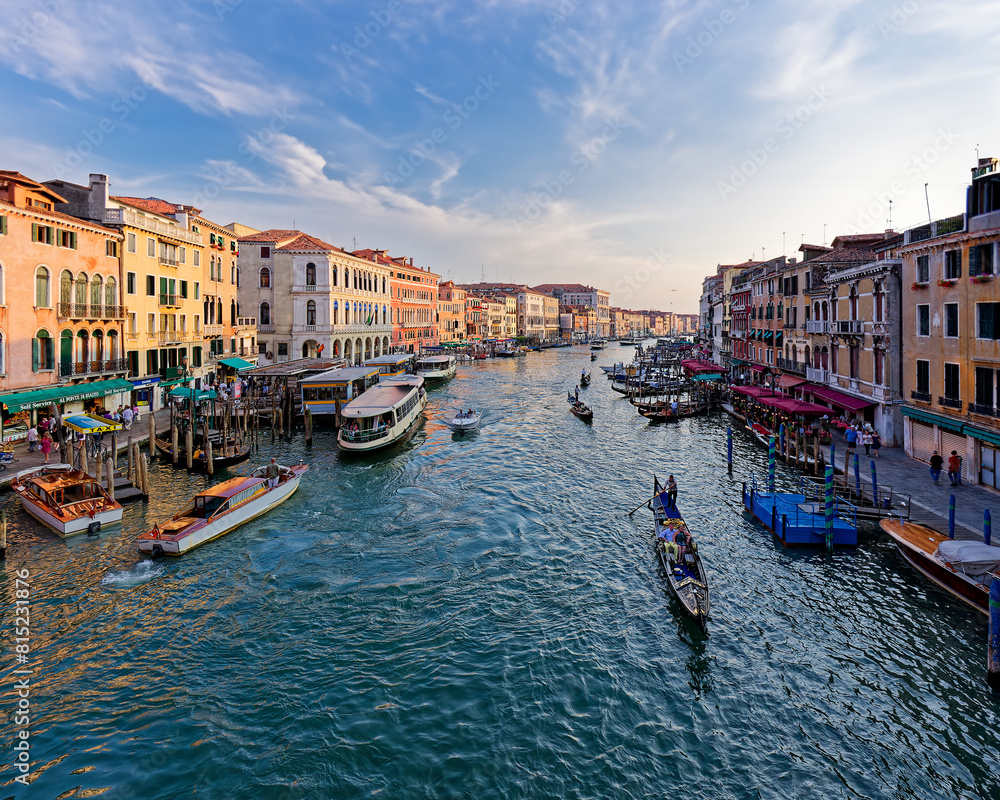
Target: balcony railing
(125,216)
(851,326)
(169,300)
(357,437)
(77,369)
(817,375)
(166,337)
(211,330)
(984,410)
(792,366)
(790,326)
(306,288)
(265,328)
(818,326)
(922,397)
(169,262)
(950,402)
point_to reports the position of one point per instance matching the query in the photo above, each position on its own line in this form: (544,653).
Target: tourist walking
(127,417)
(46,445)
(32,439)
(955,468)
(936,463)
(866,440)
(135,414)
(876,442)
(852,439)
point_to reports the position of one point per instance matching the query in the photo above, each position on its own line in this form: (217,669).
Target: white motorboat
(220,509)
(65,499)
(465,421)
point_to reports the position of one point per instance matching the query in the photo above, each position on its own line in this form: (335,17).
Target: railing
(817,374)
(169,262)
(166,337)
(984,410)
(124,216)
(791,326)
(168,300)
(818,326)
(211,330)
(265,328)
(91,311)
(923,397)
(357,437)
(850,326)
(950,402)
(69,369)
(306,288)
(792,366)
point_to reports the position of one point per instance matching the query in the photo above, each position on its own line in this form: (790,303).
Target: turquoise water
(477,616)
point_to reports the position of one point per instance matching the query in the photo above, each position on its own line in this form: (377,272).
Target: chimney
(97,199)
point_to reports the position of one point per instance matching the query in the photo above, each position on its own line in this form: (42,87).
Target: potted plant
(947,282)
(918,285)
(981,278)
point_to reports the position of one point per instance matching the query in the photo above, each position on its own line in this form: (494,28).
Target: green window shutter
(34,232)
(974,261)
(3,225)
(34,355)
(73,240)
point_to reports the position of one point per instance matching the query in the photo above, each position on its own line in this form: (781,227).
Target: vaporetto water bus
(320,393)
(383,415)
(390,365)
(436,368)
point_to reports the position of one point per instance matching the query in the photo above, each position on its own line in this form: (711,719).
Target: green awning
(236,363)
(193,394)
(42,398)
(711,377)
(993,437)
(943,422)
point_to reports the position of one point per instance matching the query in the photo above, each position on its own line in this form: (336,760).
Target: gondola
(687,579)
(593,356)
(585,379)
(582,411)
(227,457)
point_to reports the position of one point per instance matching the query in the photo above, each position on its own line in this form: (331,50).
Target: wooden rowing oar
(644,502)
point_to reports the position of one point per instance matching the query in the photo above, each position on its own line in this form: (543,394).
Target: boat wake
(142,572)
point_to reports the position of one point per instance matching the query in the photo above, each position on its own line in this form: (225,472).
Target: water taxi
(465,421)
(65,499)
(597,344)
(390,365)
(219,510)
(436,368)
(383,415)
(320,393)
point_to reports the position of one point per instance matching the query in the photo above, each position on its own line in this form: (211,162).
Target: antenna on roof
(889,226)
(928,199)
(782,244)
(824,234)
(355,242)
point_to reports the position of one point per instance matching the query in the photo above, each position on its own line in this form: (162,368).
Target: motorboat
(67,500)
(220,509)
(465,421)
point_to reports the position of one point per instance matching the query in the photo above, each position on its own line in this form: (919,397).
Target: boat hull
(438,374)
(396,433)
(74,526)
(70,521)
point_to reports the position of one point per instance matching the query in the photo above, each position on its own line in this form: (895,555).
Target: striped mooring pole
(828,508)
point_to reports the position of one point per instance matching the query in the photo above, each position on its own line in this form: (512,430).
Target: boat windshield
(206,505)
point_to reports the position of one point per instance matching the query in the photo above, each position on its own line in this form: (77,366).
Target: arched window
(3,299)
(852,304)
(265,278)
(333,277)
(336,315)
(347,278)
(232,274)
(310,274)
(218,317)
(96,287)
(111,293)
(311,312)
(43,349)
(66,287)
(232,312)
(265,314)
(41,288)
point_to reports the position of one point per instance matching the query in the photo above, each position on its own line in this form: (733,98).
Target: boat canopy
(972,558)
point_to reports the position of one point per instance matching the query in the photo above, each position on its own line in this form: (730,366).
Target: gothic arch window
(111,292)
(265,314)
(42,288)
(310,274)
(80,298)
(66,287)
(311,312)
(265,278)
(96,292)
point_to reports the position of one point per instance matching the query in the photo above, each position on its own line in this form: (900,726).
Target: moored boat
(436,368)
(383,415)
(65,499)
(220,509)
(222,455)
(964,569)
(686,575)
(597,344)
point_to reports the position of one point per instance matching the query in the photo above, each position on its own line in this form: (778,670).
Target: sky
(632,146)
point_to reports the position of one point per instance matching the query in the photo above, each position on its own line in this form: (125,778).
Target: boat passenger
(272,472)
(681,540)
(668,536)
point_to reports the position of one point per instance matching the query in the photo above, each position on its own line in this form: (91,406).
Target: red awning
(792,406)
(700,367)
(838,399)
(788,381)
(757,367)
(756,391)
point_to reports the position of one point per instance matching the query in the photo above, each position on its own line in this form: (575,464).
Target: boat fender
(157,551)
(94,527)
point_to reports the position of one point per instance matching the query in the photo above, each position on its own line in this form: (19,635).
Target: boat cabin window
(206,505)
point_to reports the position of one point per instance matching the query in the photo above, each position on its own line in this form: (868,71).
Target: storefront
(143,392)
(20,409)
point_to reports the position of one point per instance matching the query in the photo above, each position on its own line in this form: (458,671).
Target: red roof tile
(306,242)
(272,235)
(154,205)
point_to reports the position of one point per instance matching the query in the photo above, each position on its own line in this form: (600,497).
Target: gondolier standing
(671,492)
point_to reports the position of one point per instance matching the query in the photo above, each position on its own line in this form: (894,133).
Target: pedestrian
(32,438)
(876,442)
(46,445)
(671,492)
(955,468)
(866,440)
(135,414)
(127,417)
(852,439)
(936,463)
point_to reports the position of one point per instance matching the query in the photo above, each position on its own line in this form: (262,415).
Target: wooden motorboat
(220,509)
(662,412)
(465,421)
(964,569)
(65,499)
(222,456)
(686,576)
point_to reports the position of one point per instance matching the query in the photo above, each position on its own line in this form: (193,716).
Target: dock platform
(798,520)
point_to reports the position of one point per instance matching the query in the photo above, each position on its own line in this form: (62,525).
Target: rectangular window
(951,320)
(150,285)
(111,248)
(3,224)
(985,382)
(66,239)
(282,348)
(196,355)
(924,377)
(197,323)
(197,290)
(130,242)
(184,289)
(989,320)
(42,234)
(951,391)
(952,265)
(182,255)
(981,260)
(923,269)
(923,320)
(151,323)
(152,362)
(151,247)
(130,282)
(197,257)
(265,252)
(132,324)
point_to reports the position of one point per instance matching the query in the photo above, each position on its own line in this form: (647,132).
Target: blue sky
(630,145)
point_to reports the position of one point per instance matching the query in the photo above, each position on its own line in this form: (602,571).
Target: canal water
(477,616)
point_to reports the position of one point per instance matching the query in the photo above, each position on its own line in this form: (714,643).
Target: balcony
(950,402)
(265,328)
(171,337)
(882,393)
(169,262)
(80,369)
(94,311)
(792,366)
(818,326)
(125,216)
(169,301)
(850,326)
(246,322)
(211,330)
(817,374)
(920,397)
(308,288)
(984,410)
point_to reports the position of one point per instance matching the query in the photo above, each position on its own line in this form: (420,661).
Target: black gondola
(585,379)
(687,577)
(582,411)
(233,454)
